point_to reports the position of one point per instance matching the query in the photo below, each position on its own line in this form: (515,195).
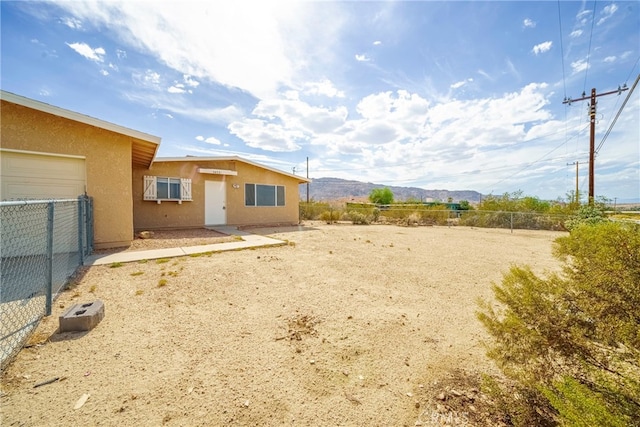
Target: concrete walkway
(248,241)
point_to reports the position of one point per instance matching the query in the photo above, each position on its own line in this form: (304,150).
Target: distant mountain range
(328,189)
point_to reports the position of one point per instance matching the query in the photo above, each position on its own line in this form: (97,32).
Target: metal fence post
(81,229)
(49,284)
(89,225)
(511,222)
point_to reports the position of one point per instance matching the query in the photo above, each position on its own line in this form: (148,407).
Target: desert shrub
(575,336)
(375,215)
(312,210)
(587,214)
(358,217)
(330,216)
(434,215)
(413,219)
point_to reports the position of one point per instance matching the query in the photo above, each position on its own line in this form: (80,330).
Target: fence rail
(42,243)
(364,213)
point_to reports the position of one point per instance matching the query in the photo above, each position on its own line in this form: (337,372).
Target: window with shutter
(160,188)
(150,188)
(186,189)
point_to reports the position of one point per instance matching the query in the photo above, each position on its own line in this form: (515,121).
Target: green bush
(588,214)
(381,196)
(575,335)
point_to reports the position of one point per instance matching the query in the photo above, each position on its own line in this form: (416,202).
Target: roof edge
(78,117)
(230,158)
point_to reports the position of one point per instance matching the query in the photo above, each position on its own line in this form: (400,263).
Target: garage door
(41,176)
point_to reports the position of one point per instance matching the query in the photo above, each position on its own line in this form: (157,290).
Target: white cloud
(485,75)
(607,12)
(461,83)
(148,79)
(190,81)
(96,55)
(610,59)
(528,23)
(253,48)
(542,47)
(72,22)
(362,58)
(104,72)
(581,17)
(579,65)
(121,54)
(377,43)
(576,33)
(397,127)
(176,89)
(266,136)
(324,87)
(210,140)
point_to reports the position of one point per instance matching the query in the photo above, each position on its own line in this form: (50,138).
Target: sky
(438,95)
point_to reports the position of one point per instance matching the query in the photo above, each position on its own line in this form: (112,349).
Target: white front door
(215,203)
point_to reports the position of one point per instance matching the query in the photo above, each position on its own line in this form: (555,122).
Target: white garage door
(41,176)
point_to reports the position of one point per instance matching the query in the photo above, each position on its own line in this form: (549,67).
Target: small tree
(465,206)
(381,196)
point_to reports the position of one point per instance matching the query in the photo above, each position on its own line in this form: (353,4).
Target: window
(161,188)
(263,195)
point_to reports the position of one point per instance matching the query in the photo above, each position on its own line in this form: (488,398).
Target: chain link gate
(42,243)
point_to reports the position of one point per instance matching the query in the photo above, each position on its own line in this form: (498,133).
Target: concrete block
(82,317)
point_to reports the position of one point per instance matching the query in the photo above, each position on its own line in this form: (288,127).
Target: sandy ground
(346,325)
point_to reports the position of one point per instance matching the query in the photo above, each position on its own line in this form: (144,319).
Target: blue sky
(439,95)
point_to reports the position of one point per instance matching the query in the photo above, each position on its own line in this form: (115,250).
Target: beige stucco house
(49,152)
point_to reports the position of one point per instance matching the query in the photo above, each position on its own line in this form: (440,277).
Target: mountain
(327,189)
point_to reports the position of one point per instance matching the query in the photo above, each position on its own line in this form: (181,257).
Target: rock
(442,396)
(145,234)
(81,401)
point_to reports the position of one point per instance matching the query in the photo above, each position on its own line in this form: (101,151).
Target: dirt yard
(345,325)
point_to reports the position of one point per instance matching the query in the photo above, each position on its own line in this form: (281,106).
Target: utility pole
(577,188)
(592,133)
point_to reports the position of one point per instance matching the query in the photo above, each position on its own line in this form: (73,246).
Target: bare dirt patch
(161,239)
(347,325)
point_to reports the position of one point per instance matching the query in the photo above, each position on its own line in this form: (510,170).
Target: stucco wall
(108,163)
(149,215)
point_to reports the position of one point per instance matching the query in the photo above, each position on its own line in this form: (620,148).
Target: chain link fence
(42,243)
(365,213)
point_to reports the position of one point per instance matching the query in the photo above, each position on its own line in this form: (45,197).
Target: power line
(604,138)
(564,83)
(529,164)
(421,162)
(592,131)
(586,71)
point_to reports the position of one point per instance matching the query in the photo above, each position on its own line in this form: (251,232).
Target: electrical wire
(604,138)
(420,162)
(530,164)
(586,71)
(564,82)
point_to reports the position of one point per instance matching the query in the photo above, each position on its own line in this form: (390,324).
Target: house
(49,152)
